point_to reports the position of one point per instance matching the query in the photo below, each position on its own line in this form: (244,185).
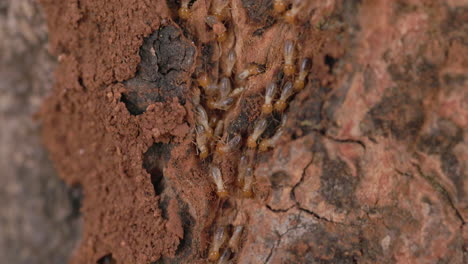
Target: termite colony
(215,94)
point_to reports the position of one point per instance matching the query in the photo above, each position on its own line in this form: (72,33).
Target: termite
(252,69)
(236,92)
(203,80)
(271,142)
(223,148)
(289,67)
(259,128)
(243,163)
(218,27)
(304,68)
(290,15)
(235,238)
(202,118)
(219,238)
(247,191)
(230,62)
(184,11)
(287,91)
(218,131)
(218,180)
(201,140)
(279,6)
(224,259)
(223,104)
(196,96)
(224,88)
(219,9)
(270,92)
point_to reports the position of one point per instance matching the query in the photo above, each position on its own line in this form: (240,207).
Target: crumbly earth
(372,167)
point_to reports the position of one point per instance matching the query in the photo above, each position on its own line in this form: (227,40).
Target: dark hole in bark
(154,161)
(75,194)
(330,61)
(107,259)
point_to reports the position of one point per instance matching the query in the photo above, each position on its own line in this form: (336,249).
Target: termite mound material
(369,166)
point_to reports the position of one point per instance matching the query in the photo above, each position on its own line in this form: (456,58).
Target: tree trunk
(370,165)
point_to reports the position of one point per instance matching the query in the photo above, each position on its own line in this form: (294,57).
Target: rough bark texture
(39,214)
(372,167)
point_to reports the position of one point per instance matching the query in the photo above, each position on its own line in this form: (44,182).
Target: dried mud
(372,167)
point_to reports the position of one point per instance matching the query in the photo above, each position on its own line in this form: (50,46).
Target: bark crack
(440,189)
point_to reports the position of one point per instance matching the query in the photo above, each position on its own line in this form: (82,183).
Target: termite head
(263,146)
(251,142)
(299,85)
(203,80)
(213,255)
(222,193)
(280,105)
(289,69)
(184,13)
(279,6)
(222,36)
(267,108)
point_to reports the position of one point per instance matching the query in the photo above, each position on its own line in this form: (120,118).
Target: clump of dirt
(125,121)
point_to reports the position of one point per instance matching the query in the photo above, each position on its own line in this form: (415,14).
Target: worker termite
(247,191)
(299,83)
(184,10)
(219,9)
(201,141)
(218,180)
(290,15)
(270,92)
(202,118)
(259,127)
(224,88)
(224,259)
(230,62)
(243,163)
(219,238)
(235,238)
(252,69)
(287,91)
(271,142)
(223,104)
(218,132)
(218,27)
(289,67)
(196,96)
(236,92)
(232,144)
(203,80)
(279,6)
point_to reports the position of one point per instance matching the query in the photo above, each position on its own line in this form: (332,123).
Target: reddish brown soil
(372,168)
